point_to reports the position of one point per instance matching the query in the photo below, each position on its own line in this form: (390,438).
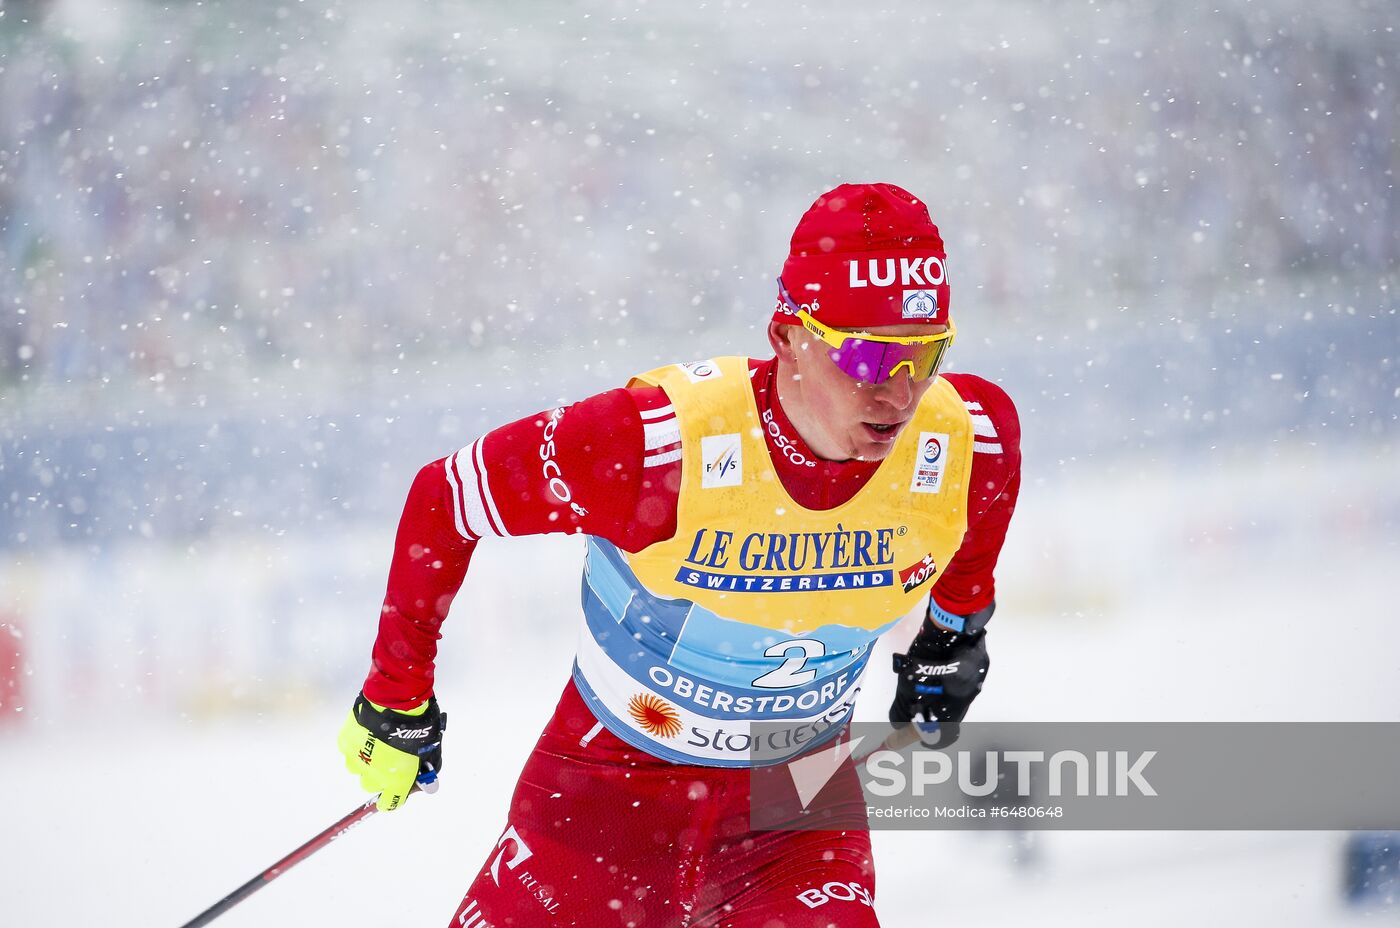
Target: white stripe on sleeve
(982,426)
(479,462)
(450,466)
(665,457)
(473,506)
(660,434)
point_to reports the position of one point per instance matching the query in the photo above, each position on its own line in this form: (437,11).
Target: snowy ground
(1119,602)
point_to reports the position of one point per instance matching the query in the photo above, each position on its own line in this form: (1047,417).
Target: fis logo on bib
(723,457)
(928,462)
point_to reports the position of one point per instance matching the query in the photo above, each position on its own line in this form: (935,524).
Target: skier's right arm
(947,661)
(572,469)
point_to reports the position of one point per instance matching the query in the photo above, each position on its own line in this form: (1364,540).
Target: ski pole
(286,863)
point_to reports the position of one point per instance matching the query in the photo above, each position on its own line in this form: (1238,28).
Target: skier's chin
(871,451)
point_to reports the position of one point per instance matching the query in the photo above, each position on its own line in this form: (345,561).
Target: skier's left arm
(947,662)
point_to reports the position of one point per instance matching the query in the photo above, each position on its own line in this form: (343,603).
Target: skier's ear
(783,339)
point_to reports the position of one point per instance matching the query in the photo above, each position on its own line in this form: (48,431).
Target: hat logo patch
(920,304)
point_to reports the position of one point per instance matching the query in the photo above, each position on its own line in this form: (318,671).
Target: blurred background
(260,261)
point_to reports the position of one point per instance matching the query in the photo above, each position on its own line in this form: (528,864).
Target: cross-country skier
(752,527)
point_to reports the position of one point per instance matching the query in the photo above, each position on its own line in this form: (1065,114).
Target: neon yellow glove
(391,749)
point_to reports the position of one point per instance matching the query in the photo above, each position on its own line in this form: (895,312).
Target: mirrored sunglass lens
(920,360)
(875,362)
(855,363)
(859,359)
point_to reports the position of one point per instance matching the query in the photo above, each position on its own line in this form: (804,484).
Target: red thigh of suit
(605,835)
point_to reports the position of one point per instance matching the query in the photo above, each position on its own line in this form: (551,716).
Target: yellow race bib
(758,609)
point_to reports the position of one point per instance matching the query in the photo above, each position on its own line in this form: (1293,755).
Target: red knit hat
(866,255)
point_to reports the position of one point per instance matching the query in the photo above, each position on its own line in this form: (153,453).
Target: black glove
(941,675)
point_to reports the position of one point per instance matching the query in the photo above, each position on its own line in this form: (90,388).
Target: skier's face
(838,416)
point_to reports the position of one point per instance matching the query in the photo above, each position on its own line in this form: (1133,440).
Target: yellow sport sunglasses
(877,358)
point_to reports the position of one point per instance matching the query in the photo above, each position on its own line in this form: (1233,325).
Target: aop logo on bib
(928,462)
(723,457)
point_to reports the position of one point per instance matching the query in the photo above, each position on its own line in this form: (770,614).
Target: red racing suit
(601,833)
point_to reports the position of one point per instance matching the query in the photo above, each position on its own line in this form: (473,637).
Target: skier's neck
(791,401)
